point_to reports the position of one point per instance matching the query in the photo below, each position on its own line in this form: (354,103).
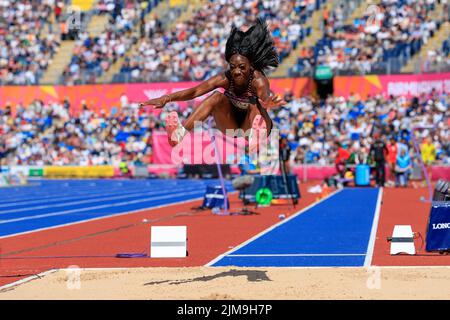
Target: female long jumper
(247,95)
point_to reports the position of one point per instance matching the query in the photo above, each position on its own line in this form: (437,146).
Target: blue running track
(334,232)
(50,203)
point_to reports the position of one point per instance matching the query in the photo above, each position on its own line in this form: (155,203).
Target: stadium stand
(382,40)
(93,54)
(193,49)
(151,41)
(41,134)
(24,53)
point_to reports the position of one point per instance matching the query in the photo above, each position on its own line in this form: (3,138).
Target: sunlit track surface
(333,233)
(49,203)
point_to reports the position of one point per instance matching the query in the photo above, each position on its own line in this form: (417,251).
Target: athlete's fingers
(277,100)
(264,103)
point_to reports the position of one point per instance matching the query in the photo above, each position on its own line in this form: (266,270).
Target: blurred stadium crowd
(93,55)
(193,49)
(25,53)
(42,134)
(147,48)
(381,41)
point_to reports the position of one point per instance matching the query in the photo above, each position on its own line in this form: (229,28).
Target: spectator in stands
(58,10)
(191,50)
(402,169)
(402,145)
(341,158)
(2,152)
(378,152)
(392,154)
(247,165)
(428,154)
(25,48)
(124,169)
(285,155)
(43,133)
(428,151)
(93,56)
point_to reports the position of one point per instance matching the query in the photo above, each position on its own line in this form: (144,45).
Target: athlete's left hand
(273,101)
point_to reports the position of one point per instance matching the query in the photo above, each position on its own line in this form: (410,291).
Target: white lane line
(120,204)
(27,279)
(54,194)
(373,232)
(104,217)
(97,199)
(271,228)
(50,193)
(22,201)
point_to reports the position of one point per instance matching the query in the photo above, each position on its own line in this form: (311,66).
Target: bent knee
(216,96)
(219,101)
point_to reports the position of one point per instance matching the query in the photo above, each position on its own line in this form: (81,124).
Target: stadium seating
(25,53)
(397,33)
(95,54)
(40,134)
(193,49)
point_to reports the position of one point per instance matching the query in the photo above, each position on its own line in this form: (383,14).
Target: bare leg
(252,113)
(218,106)
(260,124)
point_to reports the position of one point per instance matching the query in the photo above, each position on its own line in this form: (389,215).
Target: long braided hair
(256,44)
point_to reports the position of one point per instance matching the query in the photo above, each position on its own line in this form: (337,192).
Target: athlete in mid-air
(247,95)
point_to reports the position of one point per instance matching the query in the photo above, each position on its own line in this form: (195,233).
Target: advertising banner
(198,148)
(107,97)
(396,85)
(36,172)
(78,171)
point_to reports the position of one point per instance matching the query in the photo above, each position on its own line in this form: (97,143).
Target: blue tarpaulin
(438,234)
(214,197)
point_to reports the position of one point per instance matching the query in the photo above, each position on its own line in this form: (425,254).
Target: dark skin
(218,105)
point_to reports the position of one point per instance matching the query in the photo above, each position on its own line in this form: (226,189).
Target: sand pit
(238,283)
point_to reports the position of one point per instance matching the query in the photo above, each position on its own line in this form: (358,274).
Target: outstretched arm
(189,94)
(267,100)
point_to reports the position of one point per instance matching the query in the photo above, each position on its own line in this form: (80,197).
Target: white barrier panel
(3,181)
(168,242)
(24,170)
(402,240)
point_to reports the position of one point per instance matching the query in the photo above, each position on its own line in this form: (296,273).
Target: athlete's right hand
(273,101)
(158,103)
